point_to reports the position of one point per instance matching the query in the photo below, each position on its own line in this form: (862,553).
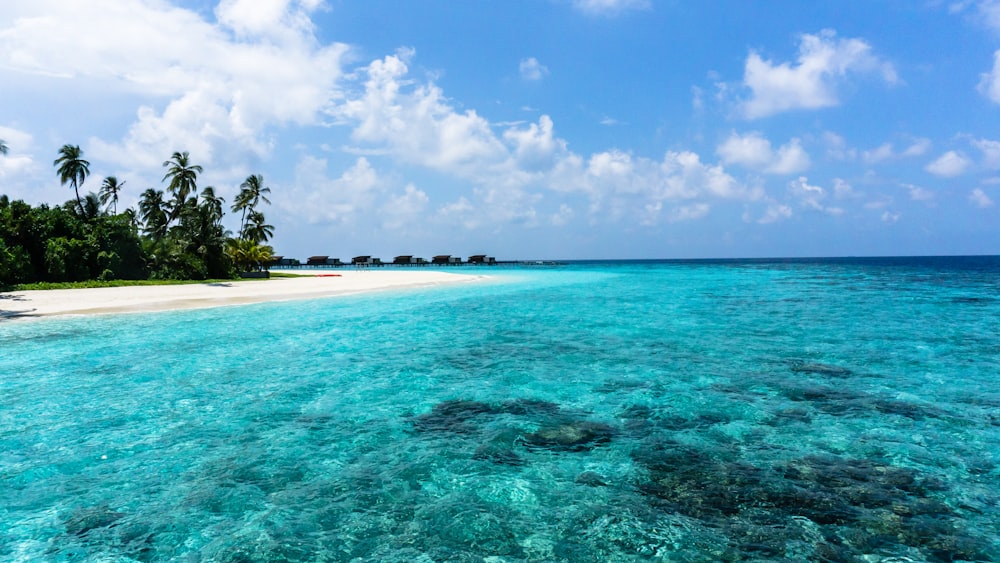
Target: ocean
(728,410)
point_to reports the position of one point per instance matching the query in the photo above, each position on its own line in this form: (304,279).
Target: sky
(531,129)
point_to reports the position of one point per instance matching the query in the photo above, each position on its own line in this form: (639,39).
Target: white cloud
(415,123)
(697,98)
(403,210)
(753,151)
(316,198)
(535,147)
(918,147)
(823,62)
(991,152)
(917,193)
(989,82)
(813,197)
(221,84)
(836,147)
(418,125)
(531,69)
(979,198)
(17,163)
(689,212)
(842,189)
(563,216)
(949,165)
(889,218)
(809,196)
(876,155)
(775,212)
(610,7)
(886,151)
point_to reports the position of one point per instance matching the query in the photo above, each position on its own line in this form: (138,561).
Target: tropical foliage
(175,233)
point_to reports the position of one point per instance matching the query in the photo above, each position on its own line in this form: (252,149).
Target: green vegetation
(87,241)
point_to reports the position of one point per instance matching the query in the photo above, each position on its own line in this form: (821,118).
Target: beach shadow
(6,315)
(220,284)
(10,315)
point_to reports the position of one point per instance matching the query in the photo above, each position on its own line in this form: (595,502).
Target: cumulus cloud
(842,189)
(754,151)
(979,198)
(610,7)
(316,198)
(222,83)
(415,123)
(17,161)
(991,152)
(824,61)
(836,147)
(882,152)
(419,125)
(813,197)
(887,151)
(405,209)
(775,212)
(917,193)
(563,216)
(949,165)
(689,212)
(918,147)
(531,69)
(989,82)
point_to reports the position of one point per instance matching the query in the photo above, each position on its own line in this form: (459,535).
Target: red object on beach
(327,275)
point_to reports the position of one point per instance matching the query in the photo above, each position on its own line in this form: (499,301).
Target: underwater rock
(591,479)
(613,385)
(454,416)
(859,506)
(820,369)
(529,407)
(499,454)
(84,520)
(637,411)
(792,415)
(571,436)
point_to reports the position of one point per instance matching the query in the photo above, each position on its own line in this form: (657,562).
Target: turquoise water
(838,410)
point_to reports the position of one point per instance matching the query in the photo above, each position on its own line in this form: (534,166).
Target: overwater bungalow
(316,261)
(482,259)
(405,260)
(441,259)
(362,261)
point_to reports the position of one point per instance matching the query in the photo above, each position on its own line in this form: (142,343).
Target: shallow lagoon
(695,411)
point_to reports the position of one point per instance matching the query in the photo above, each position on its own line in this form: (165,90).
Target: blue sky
(556,129)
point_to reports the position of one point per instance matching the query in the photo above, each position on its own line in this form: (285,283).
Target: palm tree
(212,202)
(109,191)
(73,169)
(252,192)
(3,147)
(247,254)
(257,230)
(182,175)
(154,213)
(91,207)
(133,217)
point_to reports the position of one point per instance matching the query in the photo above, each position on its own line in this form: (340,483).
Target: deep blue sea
(743,410)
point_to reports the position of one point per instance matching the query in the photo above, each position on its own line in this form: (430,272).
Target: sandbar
(307,284)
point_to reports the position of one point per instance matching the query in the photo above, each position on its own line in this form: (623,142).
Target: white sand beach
(306,285)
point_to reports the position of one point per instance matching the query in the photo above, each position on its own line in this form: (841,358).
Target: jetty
(403,260)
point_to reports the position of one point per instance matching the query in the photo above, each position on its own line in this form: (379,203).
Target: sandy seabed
(306,285)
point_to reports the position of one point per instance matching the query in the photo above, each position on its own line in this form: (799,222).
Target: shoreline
(33,304)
